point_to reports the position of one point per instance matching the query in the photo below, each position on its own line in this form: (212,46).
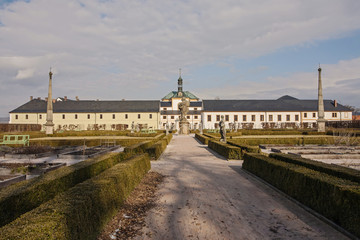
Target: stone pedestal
(49,128)
(184,127)
(321,125)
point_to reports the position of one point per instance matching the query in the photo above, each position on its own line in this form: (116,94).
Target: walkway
(206,197)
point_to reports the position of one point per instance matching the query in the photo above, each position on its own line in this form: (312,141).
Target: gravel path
(206,197)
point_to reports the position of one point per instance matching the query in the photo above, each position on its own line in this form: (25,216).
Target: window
(188,117)
(196,117)
(172,117)
(279,118)
(270,118)
(253,118)
(126,116)
(63,116)
(16,116)
(164,117)
(288,118)
(26,116)
(165,109)
(296,117)
(150,116)
(334,115)
(88,116)
(226,118)
(262,118)
(244,118)
(195,109)
(139,116)
(100,116)
(305,115)
(75,116)
(235,118)
(113,116)
(209,118)
(314,115)
(40,116)
(217,118)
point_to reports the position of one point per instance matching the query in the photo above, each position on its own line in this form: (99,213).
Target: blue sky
(229,49)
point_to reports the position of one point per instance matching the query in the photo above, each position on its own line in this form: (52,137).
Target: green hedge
(285,141)
(82,211)
(228,151)
(335,198)
(158,148)
(138,148)
(79,142)
(19,198)
(245,147)
(331,169)
(202,138)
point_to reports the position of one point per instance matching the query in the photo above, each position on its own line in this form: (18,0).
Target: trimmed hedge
(25,196)
(331,169)
(202,138)
(335,198)
(286,141)
(245,147)
(79,142)
(158,148)
(82,211)
(138,148)
(228,151)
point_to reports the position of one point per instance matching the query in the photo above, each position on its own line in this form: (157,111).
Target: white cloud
(106,49)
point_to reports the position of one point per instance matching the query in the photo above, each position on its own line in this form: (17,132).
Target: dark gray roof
(285,103)
(39,106)
(166,104)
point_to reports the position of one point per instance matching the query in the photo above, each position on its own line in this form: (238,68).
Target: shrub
(228,151)
(285,141)
(24,196)
(202,138)
(158,148)
(335,198)
(83,210)
(138,148)
(245,147)
(331,169)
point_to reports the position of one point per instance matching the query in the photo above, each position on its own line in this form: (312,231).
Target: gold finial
(50,73)
(319,68)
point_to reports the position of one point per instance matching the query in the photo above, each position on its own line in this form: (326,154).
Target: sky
(228,49)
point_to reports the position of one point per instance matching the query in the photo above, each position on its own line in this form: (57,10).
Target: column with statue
(183,122)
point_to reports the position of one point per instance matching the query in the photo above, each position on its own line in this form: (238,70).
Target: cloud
(122,49)
(340,81)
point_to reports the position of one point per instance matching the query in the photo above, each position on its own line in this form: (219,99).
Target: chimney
(39,98)
(65,98)
(31,98)
(77,98)
(335,103)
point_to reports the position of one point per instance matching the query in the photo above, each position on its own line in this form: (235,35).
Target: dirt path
(206,197)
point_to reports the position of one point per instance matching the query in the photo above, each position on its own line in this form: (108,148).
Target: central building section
(170,112)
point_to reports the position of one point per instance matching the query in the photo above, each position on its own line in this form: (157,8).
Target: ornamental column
(321,120)
(49,125)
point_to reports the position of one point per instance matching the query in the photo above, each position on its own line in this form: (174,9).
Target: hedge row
(331,169)
(286,141)
(25,196)
(202,138)
(158,148)
(82,211)
(79,142)
(245,147)
(230,152)
(335,198)
(138,148)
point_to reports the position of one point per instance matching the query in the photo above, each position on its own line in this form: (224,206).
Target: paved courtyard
(204,196)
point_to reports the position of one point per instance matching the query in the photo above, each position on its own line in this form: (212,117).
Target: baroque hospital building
(284,112)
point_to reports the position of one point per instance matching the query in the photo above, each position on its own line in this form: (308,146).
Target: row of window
(253,118)
(187,117)
(88,116)
(195,109)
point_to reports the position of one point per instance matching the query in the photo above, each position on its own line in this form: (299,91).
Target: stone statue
(132,127)
(183,122)
(184,108)
(167,128)
(222,129)
(137,128)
